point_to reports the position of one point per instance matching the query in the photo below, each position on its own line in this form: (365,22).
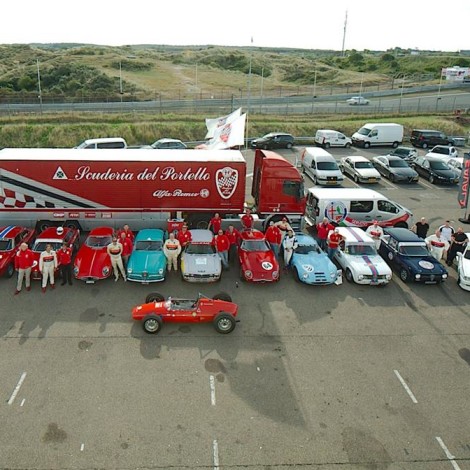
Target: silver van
(321,167)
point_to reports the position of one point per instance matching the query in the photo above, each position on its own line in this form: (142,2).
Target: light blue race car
(311,265)
(147,262)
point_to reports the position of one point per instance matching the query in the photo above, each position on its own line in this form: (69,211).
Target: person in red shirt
(334,239)
(129,234)
(215,224)
(233,236)
(274,237)
(247,220)
(323,229)
(64,258)
(24,260)
(184,236)
(127,244)
(222,245)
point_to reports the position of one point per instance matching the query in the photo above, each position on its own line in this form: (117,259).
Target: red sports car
(55,236)
(92,262)
(219,310)
(11,238)
(257,261)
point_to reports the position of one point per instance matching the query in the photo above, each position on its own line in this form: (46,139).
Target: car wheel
(242,276)
(154,297)
(395,145)
(431,179)
(347,146)
(425,146)
(10,270)
(152,324)
(315,181)
(265,147)
(366,145)
(392,177)
(222,296)
(404,275)
(349,275)
(289,145)
(356,179)
(296,275)
(327,145)
(224,323)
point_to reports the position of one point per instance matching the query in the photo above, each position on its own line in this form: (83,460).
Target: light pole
(261,90)
(439,90)
(401,94)
(39,86)
(120,80)
(249,93)
(314,95)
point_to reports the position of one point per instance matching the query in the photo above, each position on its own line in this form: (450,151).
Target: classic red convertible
(219,310)
(11,238)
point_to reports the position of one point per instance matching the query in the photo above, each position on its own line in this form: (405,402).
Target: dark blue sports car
(404,251)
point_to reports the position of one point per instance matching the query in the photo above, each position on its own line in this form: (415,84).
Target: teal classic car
(147,262)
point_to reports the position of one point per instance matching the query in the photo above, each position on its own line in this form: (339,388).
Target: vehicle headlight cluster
(388,277)
(305,275)
(160,271)
(129,270)
(445,276)
(275,274)
(360,277)
(248,274)
(106,271)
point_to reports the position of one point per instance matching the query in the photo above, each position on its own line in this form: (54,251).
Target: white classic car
(360,169)
(463,267)
(359,258)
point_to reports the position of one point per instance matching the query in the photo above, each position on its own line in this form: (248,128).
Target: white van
(384,133)
(103,143)
(321,166)
(354,207)
(327,138)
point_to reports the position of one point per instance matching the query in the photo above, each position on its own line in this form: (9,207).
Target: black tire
(366,145)
(395,145)
(224,323)
(356,179)
(327,145)
(315,181)
(10,270)
(392,177)
(154,297)
(404,275)
(152,324)
(296,275)
(349,276)
(43,225)
(265,147)
(73,224)
(431,179)
(289,145)
(222,296)
(347,146)
(242,277)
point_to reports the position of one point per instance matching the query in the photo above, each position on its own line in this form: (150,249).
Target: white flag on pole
(213,124)
(229,135)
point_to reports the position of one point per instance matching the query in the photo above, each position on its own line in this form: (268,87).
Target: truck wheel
(349,275)
(154,297)
(10,270)
(222,296)
(152,324)
(72,224)
(43,225)
(404,275)
(366,145)
(395,145)
(224,323)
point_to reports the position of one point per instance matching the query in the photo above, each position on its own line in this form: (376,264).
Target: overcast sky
(307,24)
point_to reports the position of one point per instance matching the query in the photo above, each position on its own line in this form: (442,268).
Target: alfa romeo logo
(226,180)
(335,211)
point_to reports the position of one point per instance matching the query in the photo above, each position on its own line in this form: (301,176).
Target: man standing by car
(215,224)
(437,245)
(172,249)
(375,231)
(64,258)
(447,231)
(24,260)
(421,228)
(127,244)
(334,239)
(459,242)
(47,266)
(274,237)
(323,229)
(289,244)
(128,232)
(247,220)
(233,236)
(222,245)
(114,250)
(184,236)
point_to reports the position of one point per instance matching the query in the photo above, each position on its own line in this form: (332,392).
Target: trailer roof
(124,155)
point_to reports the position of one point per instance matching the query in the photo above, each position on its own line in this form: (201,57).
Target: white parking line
(212,386)
(17,388)
(429,185)
(405,386)
(22,401)
(383,180)
(82,447)
(215,454)
(448,454)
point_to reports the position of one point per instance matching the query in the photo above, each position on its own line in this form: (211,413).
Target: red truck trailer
(86,189)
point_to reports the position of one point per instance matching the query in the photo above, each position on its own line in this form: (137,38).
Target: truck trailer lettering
(84,172)
(170,173)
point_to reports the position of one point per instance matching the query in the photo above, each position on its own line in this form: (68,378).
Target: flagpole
(249,94)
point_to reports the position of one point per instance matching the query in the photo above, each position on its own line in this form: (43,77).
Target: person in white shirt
(437,245)
(289,244)
(447,231)
(376,232)
(114,250)
(47,266)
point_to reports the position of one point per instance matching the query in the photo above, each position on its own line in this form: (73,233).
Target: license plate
(331,182)
(372,180)
(374,283)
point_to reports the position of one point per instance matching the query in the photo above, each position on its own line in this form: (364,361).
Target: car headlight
(75,270)
(333,275)
(160,271)
(275,274)
(444,276)
(388,277)
(129,270)
(105,271)
(360,277)
(248,274)
(305,275)
(417,276)
(466,278)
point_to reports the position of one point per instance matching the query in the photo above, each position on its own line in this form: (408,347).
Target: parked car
(54,236)
(220,310)
(435,170)
(456,164)
(11,237)
(359,258)
(395,169)
(92,262)
(360,169)
(199,260)
(258,263)
(463,267)
(168,144)
(103,143)
(311,265)
(274,140)
(406,153)
(321,166)
(357,100)
(407,253)
(425,138)
(147,262)
(443,152)
(327,138)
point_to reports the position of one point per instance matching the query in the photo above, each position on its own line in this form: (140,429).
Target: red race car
(55,236)
(257,261)
(92,262)
(219,310)
(11,238)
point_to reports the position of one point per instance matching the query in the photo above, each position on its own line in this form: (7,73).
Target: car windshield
(364,131)
(98,242)
(40,246)
(363,165)
(200,249)
(5,244)
(438,165)
(148,245)
(413,250)
(397,164)
(361,250)
(327,166)
(254,245)
(306,249)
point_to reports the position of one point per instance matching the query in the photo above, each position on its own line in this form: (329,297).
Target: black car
(435,170)
(407,253)
(425,138)
(273,140)
(406,153)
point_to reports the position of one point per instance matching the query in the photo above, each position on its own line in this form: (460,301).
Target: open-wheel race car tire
(222,296)
(224,323)
(154,297)
(152,324)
